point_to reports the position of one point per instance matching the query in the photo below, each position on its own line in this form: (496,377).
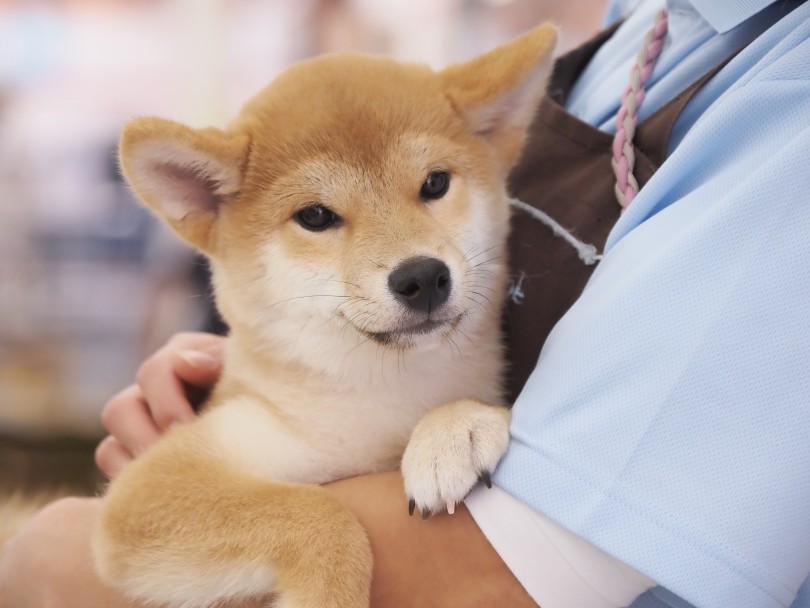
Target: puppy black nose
(422,284)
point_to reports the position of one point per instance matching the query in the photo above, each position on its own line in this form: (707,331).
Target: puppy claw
(425,514)
(411,506)
(449,449)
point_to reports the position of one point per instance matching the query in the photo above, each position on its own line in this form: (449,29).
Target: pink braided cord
(624,157)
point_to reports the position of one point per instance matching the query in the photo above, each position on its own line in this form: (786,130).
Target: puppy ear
(185,175)
(498,92)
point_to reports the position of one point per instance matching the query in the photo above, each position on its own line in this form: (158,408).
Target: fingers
(128,418)
(169,383)
(112,457)
(195,359)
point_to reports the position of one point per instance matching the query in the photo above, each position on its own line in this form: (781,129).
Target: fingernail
(196,358)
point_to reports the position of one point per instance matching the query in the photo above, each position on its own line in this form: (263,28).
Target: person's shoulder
(765,87)
(785,49)
(790,61)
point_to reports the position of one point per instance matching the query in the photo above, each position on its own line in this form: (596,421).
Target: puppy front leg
(450,449)
(181,526)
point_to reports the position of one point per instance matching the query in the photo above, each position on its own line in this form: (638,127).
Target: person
(659,452)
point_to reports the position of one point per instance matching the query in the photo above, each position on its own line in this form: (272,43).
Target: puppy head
(358,190)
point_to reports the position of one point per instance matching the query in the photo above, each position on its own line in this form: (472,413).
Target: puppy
(355,216)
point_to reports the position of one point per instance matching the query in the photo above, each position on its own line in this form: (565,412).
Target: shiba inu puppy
(355,215)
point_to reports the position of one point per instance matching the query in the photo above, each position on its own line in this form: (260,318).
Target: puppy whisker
(466,335)
(476,302)
(314,295)
(452,238)
(481,286)
(490,260)
(377,264)
(342,282)
(471,258)
(479,271)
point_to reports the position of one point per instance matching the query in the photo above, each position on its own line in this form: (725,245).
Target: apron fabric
(565,174)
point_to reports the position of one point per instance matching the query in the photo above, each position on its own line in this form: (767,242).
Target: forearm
(444,561)
(50,563)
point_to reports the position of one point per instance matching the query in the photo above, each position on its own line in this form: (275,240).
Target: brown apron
(565,172)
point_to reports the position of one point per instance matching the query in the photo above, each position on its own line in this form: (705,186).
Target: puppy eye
(316,218)
(435,186)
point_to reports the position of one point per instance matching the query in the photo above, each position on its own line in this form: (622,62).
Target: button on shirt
(668,418)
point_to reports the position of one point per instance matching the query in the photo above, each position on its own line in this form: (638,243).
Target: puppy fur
(327,373)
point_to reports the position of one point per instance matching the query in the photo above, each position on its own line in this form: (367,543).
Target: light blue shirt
(668,418)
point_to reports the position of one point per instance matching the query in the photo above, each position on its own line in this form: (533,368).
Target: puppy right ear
(183,174)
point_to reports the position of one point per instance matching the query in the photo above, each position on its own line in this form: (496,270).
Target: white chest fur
(301,425)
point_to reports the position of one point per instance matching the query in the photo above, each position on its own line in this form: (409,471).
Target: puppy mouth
(404,336)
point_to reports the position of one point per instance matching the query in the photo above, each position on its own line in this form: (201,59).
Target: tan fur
(325,376)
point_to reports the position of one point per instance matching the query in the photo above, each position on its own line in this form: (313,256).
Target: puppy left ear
(497,93)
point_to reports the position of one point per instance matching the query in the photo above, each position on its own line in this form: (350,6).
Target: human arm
(50,563)
(441,562)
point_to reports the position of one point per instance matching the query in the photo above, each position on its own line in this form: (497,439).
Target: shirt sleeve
(668,418)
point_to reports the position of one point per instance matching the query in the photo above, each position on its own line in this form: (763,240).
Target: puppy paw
(450,449)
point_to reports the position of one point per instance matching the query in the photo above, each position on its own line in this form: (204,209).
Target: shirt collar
(725,15)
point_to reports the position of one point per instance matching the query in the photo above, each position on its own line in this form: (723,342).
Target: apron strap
(662,122)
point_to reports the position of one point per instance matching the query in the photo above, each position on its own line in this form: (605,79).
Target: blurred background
(89,282)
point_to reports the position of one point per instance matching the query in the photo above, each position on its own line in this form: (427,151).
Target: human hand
(168,385)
